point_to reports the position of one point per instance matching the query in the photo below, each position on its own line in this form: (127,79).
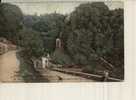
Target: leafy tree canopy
(50,26)
(31,42)
(10,20)
(92,30)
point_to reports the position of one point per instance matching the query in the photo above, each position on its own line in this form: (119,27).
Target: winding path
(9,66)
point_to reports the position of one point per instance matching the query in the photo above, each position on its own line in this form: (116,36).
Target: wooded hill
(92,35)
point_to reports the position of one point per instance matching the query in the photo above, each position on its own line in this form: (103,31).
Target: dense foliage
(96,32)
(30,20)
(31,42)
(91,35)
(50,26)
(10,20)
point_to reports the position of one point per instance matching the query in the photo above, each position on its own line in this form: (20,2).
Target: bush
(60,57)
(27,71)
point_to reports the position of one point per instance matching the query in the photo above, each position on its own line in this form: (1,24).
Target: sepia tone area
(83,42)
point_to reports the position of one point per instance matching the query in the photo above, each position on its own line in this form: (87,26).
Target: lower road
(69,78)
(9,67)
(55,76)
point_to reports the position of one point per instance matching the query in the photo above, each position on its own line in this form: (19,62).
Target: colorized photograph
(61,41)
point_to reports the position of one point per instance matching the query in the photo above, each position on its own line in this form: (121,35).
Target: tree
(95,35)
(10,20)
(30,20)
(31,42)
(85,26)
(50,26)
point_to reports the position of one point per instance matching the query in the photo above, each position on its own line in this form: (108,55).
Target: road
(9,66)
(55,76)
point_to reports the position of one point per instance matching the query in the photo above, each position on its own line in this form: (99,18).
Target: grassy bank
(27,72)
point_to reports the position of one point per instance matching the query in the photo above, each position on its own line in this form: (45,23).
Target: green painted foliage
(93,29)
(10,20)
(31,42)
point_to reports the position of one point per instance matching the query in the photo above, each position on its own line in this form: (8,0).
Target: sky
(45,7)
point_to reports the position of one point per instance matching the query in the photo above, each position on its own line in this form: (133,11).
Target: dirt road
(55,76)
(9,66)
(69,78)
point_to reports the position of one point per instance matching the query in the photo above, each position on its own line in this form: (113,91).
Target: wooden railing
(87,75)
